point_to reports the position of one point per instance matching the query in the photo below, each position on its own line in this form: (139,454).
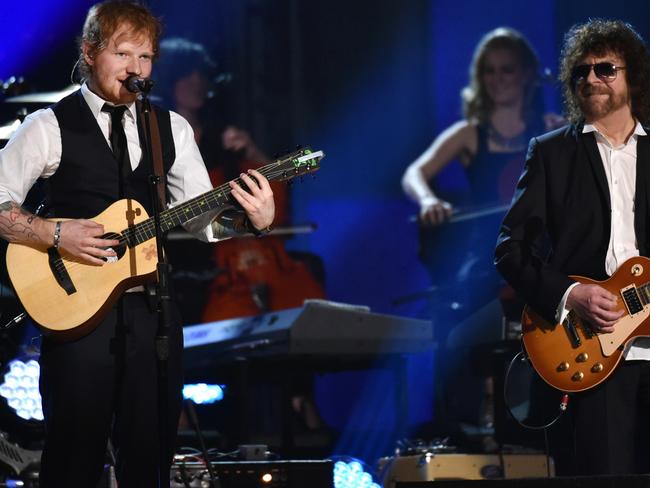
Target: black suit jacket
(559,221)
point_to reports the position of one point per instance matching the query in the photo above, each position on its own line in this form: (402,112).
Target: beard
(598,107)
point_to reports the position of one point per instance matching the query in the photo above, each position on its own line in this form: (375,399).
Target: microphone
(138,85)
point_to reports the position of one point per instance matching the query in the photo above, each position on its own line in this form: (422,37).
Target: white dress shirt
(620,169)
(34,151)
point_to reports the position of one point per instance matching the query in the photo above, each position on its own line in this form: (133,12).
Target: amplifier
(255,474)
(430,467)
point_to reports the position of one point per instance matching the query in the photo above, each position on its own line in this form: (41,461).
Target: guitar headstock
(296,163)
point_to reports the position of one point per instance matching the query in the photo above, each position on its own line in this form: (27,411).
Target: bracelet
(257,232)
(57,234)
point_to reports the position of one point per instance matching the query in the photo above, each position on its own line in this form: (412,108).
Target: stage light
(351,474)
(203,394)
(20,389)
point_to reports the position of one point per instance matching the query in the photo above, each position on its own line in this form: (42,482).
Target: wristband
(256,232)
(57,234)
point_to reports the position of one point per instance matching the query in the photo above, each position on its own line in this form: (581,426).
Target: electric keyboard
(318,328)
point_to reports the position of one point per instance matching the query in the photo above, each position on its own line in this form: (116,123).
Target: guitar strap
(156,155)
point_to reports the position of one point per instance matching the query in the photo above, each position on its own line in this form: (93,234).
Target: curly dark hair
(600,37)
(477,105)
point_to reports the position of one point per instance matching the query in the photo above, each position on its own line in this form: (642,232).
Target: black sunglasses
(604,71)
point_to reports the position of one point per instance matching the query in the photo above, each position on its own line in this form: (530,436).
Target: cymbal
(44,97)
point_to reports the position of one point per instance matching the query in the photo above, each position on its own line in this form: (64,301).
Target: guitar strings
(136,233)
(144,230)
(178,213)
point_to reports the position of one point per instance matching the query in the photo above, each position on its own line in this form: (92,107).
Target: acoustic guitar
(67,297)
(571,356)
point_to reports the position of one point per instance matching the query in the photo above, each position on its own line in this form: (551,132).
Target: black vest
(87,180)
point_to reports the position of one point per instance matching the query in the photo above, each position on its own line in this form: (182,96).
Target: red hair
(106,18)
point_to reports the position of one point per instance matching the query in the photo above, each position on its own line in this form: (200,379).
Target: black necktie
(118,143)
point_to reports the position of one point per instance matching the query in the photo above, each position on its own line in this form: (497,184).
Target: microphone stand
(163,299)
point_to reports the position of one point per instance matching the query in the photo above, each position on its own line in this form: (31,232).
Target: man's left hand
(257,202)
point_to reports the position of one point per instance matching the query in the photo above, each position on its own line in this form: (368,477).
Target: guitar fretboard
(286,168)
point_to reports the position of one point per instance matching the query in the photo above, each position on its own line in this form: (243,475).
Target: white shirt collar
(638,129)
(95,102)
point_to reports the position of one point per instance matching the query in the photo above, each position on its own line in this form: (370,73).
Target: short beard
(596,110)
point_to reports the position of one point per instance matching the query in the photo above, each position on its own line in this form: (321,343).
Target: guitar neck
(285,168)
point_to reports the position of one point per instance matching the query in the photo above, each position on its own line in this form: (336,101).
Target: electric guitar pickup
(571,356)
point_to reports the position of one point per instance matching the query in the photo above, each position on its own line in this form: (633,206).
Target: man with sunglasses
(581,208)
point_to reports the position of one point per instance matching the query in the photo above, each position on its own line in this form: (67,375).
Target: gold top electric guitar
(571,356)
(67,297)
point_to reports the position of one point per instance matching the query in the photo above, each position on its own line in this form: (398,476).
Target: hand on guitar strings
(434,211)
(81,239)
(596,305)
(257,200)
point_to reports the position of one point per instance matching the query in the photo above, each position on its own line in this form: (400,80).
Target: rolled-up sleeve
(33,151)
(188,177)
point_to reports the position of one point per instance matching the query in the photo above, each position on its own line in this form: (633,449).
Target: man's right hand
(81,239)
(434,211)
(596,305)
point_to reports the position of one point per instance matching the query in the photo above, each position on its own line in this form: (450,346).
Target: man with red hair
(104,384)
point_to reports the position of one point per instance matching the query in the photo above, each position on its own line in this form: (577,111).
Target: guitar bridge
(632,299)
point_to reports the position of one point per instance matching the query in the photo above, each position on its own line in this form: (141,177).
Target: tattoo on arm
(16,223)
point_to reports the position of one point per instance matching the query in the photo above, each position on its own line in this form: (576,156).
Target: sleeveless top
(493,176)
(87,179)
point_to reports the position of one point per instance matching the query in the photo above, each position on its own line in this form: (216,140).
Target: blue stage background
(370,83)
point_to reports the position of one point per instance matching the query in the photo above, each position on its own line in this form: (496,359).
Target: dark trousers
(610,421)
(102,385)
